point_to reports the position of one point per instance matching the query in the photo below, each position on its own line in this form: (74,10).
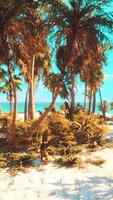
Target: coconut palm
(79,19)
(105,107)
(2,80)
(7,89)
(27,38)
(93,78)
(79,23)
(69,72)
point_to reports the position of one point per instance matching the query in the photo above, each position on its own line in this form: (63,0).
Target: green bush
(23,130)
(70,161)
(61,135)
(4,122)
(97,161)
(87,128)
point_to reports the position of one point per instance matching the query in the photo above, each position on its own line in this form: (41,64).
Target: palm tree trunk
(26,108)
(12,129)
(31,109)
(90,101)
(94,102)
(10,102)
(85,97)
(101,102)
(72,106)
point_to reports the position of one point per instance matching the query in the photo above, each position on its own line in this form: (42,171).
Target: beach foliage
(98,161)
(34,35)
(70,161)
(61,135)
(87,128)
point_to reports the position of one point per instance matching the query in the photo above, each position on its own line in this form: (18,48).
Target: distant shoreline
(41,106)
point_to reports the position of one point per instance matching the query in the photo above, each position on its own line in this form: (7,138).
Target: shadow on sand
(96,188)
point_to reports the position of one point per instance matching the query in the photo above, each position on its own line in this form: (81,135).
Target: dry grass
(108,144)
(19,158)
(96,161)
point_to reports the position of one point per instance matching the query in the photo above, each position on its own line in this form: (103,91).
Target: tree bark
(10,102)
(26,107)
(85,97)
(90,101)
(12,128)
(72,106)
(94,102)
(31,109)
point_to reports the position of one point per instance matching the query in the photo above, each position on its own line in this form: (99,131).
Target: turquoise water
(40,106)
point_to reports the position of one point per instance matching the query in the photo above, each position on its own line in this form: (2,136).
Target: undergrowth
(67,139)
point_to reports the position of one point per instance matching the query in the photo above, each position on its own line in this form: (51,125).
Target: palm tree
(26,45)
(69,72)
(105,107)
(92,74)
(2,81)
(79,23)
(79,19)
(93,79)
(27,38)
(7,89)
(14,84)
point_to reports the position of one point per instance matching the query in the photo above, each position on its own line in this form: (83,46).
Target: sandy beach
(20,116)
(58,183)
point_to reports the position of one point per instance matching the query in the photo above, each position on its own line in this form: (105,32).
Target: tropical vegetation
(73,33)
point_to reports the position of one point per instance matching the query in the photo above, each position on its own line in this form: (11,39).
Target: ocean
(40,107)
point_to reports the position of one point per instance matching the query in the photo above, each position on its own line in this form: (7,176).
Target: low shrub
(4,122)
(23,131)
(87,128)
(60,133)
(97,161)
(70,160)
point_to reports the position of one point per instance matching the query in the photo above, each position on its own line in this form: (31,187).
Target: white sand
(58,183)
(20,116)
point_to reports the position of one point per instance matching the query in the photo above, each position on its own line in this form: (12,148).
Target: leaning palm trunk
(25,107)
(36,124)
(85,97)
(31,109)
(12,128)
(72,106)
